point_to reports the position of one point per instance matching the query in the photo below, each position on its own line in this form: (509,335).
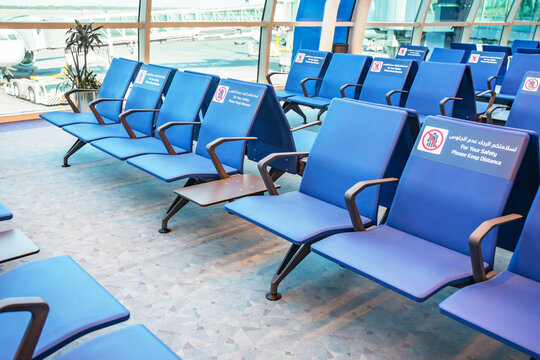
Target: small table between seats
(14,244)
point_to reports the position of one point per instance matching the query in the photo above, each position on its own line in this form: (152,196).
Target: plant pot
(84,98)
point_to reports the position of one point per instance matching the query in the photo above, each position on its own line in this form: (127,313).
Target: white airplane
(13,49)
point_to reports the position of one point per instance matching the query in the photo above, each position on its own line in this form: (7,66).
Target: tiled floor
(201,287)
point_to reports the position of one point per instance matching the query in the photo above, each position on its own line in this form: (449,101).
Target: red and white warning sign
(377,66)
(432,140)
(402,51)
(474,58)
(140,77)
(300,58)
(531,84)
(221,93)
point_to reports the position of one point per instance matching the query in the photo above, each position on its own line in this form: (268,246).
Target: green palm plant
(80,40)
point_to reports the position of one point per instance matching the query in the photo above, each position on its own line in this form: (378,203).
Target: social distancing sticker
(433,140)
(140,77)
(377,66)
(402,51)
(531,84)
(474,58)
(221,93)
(300,58)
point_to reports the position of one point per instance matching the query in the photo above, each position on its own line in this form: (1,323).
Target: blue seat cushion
(506,307)
(91,132)
(481,107)
(5,214)
(296,217)
(62,118)
(304,139)
(175,167)
(316,101)
(405,263)
(283,94)
(124,148)
(78,304)
(133,342)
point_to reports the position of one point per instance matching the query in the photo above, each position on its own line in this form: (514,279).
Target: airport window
(493,10)
(395,11)
(441,37)
(448,10)
(207,11)
(486,34)
(286,10)
(386,41)
(521,32)
(529,10)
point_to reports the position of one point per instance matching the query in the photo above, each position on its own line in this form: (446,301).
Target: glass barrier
(441,36)
(486,35)
(385,41)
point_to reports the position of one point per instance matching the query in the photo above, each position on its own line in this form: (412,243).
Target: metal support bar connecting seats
(119,77)
(343,69)
(505,306)
(446,190)
(356,142)
(412,52)
(182,104)
(454,56)
(136,121)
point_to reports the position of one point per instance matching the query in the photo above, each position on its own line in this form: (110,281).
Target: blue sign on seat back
(182,104)
(463,46)
(273,133)
(485,64)
(344,69)
(447,55)
(146,93)
(355,142)
(115,85)
(520,64)
(307,64)
(385,75)
(412,52)
(524,44)
(459,174)
(435,81)
(231,114)
(525,259)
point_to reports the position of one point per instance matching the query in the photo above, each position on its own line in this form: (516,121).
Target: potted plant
(80,40)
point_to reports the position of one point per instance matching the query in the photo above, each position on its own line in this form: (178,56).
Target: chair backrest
(524,113)
(273,132)
(520,64)
(524,44)
(459,174)
(455,56)
(386,75)
(355,142)
(146,93)
(412,52)
(485,64)
(210,94)
(528,51)
(183,102)
(525,259)
(231,114)
(344,69)
(463,46)
(498,48)
(307,64)
(435,81)
(115,85)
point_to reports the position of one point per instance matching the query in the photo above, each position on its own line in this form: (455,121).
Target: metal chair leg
(322,111)
(294,256)
(275,173)
(296,108)
(72,150)
(175,207)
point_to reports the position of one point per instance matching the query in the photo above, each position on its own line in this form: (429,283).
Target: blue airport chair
(306,64)
(528,51)
(412,52)
(182,104)
(441,88)
(505,305)
(463,46)
(343,69)
(501,49)
(134,342)
(485,67)
(136,121)
(119,77)
(520,64)
(5,214)
(211,91)
(356,142)
(459,175)
(524,44)
(78,305)
(221,146)
(448,55)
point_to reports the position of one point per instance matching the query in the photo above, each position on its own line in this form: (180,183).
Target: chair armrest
(269,75)
(124,122)
(263,168)
(492,98)
(392,92)
(67,96)
(93,105)
(39,310)
(475,243)
(303,84)
(211,149)
(444,101)
(306,126)
(342,89)
(490,82)
(350,199)
(489,112)
(165,139)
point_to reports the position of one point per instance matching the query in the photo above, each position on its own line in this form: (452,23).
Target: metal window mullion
(420,18)
(145,17)
(360,18)
(265,42)
(537,33)
(467,30)
(510,20)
